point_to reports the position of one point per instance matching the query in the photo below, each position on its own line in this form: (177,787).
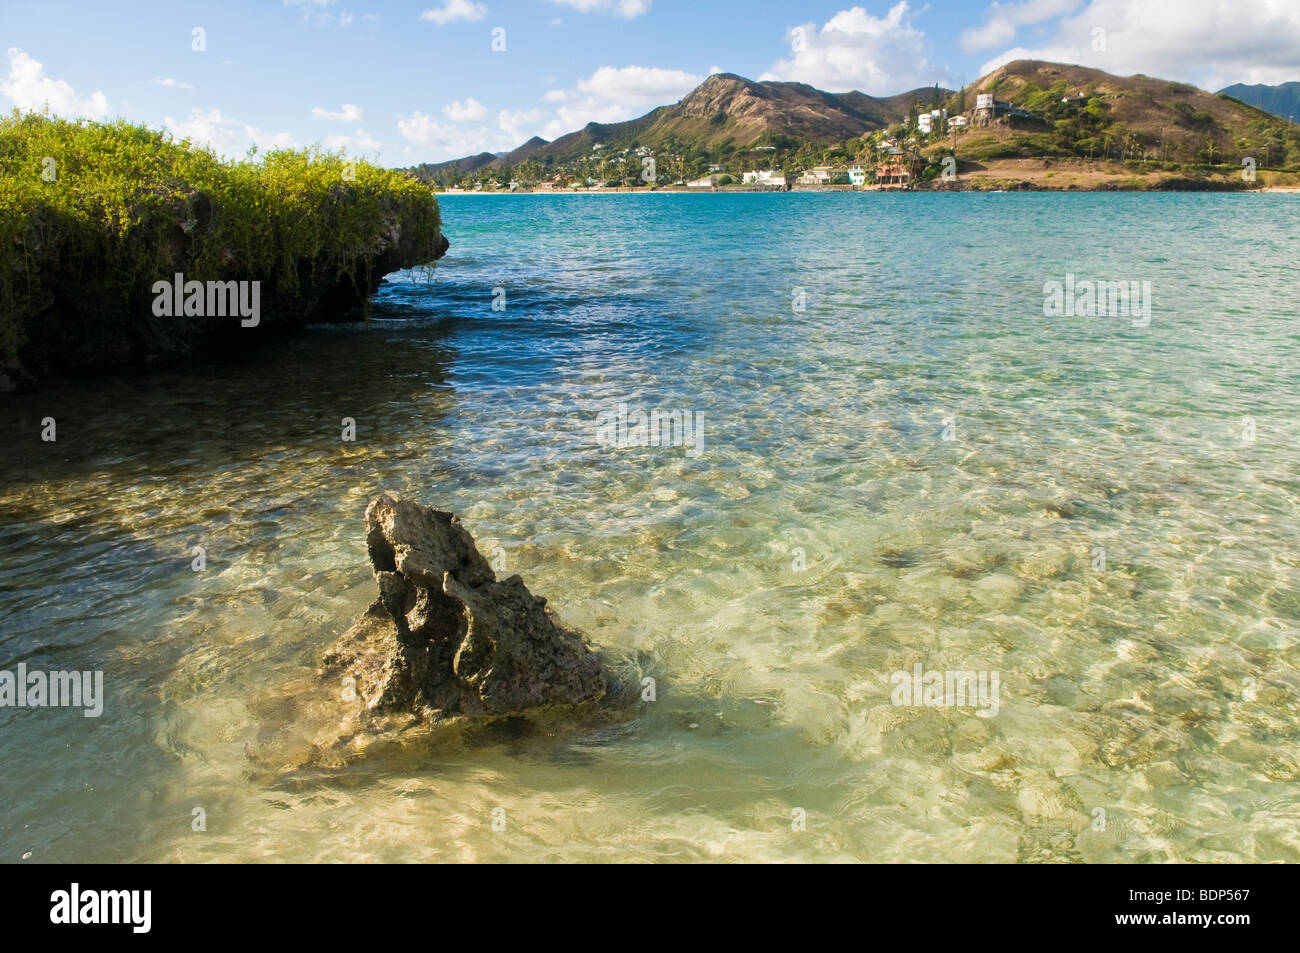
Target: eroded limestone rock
(446,639)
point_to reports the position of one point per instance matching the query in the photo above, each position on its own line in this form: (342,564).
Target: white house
(818,175)
(708,182)
(857,176)
(929,122)
(765,179)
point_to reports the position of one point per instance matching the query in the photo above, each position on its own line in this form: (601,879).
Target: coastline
(1269,189)
(1042,174)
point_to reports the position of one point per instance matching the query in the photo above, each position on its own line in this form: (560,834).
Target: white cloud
(30,89)
(453,10)
(432,140)
(516,124)
(607,95)
(627,9)
(1004,18)
(228,137)
(207,128)
(613,95)
(348,113)
(1209,42)
(269,140)
(173,83)
(471,110)
(439,141)
(359,142)
(855,50)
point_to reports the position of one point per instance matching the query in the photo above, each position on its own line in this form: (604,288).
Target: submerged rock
(445,638)
(445,646)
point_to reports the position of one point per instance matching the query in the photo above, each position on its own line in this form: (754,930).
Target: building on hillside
(893,170)
(563,180)
(707,182)
(717,168)
(772,180)
(957,122)
(892,173)
(818,175)
(857,176)
(988,110)
(931,121)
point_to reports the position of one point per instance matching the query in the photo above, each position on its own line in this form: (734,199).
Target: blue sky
(420,81)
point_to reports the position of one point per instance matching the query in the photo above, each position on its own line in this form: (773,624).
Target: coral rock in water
(446,639)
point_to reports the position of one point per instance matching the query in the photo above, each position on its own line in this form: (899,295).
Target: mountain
(1280,100)
(470,163)
(1046,111)
(1075,110)
(729,110)
(725,112)
(524,151)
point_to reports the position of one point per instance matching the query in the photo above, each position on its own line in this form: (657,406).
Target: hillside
(729,110)
(1044,111)
(1077,111)
(1280,100)
(723,115)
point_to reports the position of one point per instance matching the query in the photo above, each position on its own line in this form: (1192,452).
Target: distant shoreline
(1042,174)
(1278,189)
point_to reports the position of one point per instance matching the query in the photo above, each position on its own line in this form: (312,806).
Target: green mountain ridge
(723,114)
(1281,100)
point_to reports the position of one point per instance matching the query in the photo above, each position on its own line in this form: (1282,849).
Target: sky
(431,80)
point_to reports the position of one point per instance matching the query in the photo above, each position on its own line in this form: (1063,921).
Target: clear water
(1162,689)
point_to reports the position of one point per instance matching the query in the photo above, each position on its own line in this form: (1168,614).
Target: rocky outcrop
(82,319)
(446,639)
(445,653)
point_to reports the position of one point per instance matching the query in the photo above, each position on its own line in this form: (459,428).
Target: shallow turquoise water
(827,536)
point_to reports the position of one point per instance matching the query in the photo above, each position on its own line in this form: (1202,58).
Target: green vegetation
(106,209)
